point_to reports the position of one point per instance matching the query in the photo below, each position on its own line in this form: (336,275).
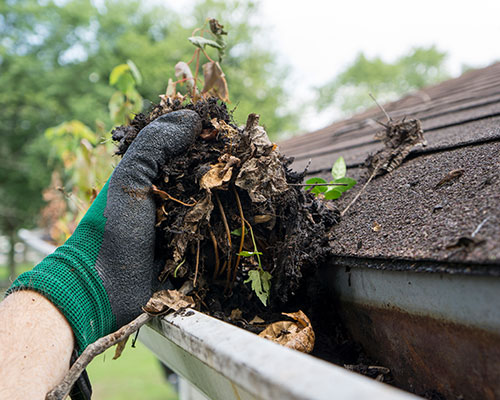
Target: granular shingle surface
(419,218)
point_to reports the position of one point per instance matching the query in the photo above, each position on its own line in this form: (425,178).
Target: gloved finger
(164,138)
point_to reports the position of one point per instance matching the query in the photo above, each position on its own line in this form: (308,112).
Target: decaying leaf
(214,81)
(164,301)
(376,227)
(256,320)
(262,178)
(399,138)
(220,173)
(201,211)
(261,219)
(223,127)
(297,334)
(217,176)
(120,346)
(182,71)
(450,177)
(236,314)
(171,89)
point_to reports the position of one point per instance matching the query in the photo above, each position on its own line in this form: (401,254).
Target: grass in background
(4,272)
(137,374)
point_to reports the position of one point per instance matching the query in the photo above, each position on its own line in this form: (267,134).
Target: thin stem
(206,55)
(228,232)
(177,268)
(240,209)
(216,251)
(164,195)
(197,262)
(62,390)
(361,191)
(389,119)
(255,249)
(196,72)
(192,58)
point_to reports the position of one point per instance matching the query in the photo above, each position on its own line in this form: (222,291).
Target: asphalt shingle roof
(419,219)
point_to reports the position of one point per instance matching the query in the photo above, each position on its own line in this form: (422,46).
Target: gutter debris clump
(231,225)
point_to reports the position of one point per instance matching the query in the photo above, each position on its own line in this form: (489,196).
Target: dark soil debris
(199,219)
(399,138)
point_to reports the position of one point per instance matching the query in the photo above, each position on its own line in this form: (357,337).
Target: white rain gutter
(226,362)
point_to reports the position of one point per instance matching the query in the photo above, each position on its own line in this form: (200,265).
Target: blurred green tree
(386,81)
(55,61)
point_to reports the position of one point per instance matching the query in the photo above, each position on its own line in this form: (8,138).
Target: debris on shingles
(450,177)
(399,138)
(466,243)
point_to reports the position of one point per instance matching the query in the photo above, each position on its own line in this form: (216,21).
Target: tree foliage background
(348,91)
(55,61)
(56,57)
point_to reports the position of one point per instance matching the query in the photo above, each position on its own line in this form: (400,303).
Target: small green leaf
(339,168)
(117,72)
(236,232)
(316,189)
(201,42)
(332,194)
(135,72)
(349,181)
(261,284)
(249,253)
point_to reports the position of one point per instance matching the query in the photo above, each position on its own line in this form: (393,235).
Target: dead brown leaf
(260,219)
(450,177)
(376,227)
(219,173)
(223,127)
(256,320)
(236,314)
(217,176)
(215,81)
(164,301)
(120,346)
(297,335)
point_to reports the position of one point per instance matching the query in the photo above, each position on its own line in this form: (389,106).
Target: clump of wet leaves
(229,219)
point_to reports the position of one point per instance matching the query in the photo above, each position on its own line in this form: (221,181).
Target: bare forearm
(36,343)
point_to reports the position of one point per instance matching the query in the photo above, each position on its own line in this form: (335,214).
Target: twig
(197,262)
(195,88)
(389,119)
(256,250)
(165,195)
(62,390)
(228,232)
(476,231)
(361,191)
(216,251)
(240,209)
(206,55)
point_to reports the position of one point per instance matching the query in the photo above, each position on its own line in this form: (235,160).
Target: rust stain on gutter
(426,354)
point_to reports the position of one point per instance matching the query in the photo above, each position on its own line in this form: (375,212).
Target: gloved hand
(104,273)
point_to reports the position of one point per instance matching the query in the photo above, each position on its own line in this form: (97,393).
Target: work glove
(105,271)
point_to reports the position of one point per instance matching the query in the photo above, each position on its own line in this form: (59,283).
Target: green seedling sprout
(339,184)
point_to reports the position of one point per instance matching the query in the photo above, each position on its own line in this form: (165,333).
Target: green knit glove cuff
(68,278)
